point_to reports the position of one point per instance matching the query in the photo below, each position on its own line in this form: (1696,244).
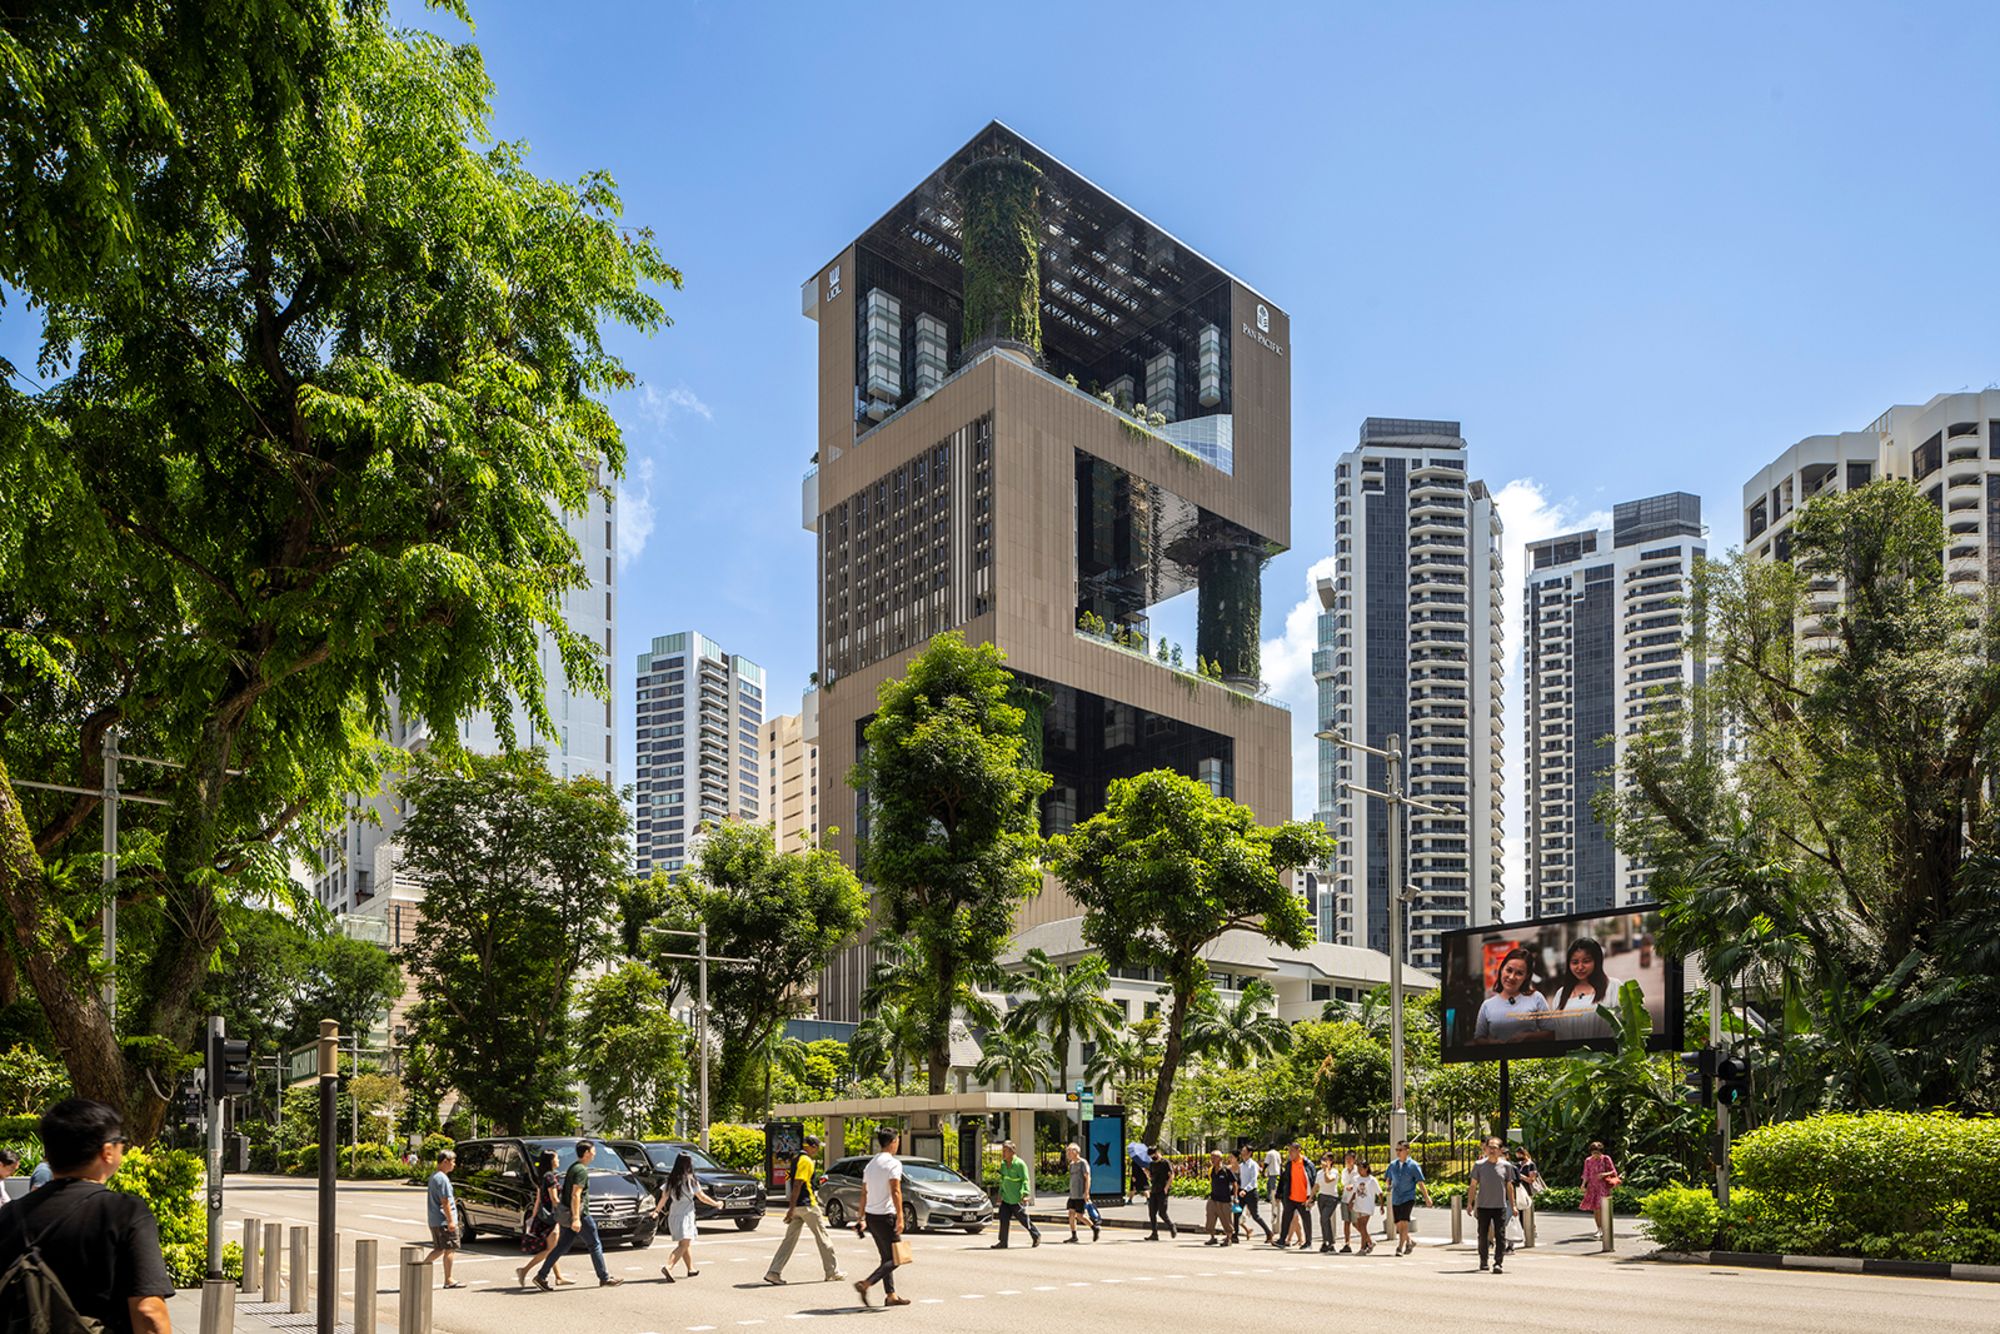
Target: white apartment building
(1949,447)
(700,733)
(1608,643)
(361,875)
(790,765)
(1410,644)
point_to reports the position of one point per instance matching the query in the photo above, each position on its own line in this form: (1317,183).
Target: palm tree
(1371,1012)
(1241,1032)
(1068,1002)
(781,1053)
(904,979)
(1018,1055)
(883,1041)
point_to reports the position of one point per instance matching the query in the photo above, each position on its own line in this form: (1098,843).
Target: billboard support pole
(1506,1102)
(1721,1112)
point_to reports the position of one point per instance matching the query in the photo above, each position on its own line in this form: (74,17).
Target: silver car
(933,1195)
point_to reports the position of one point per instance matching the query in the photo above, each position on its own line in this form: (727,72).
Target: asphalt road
(1123,1282)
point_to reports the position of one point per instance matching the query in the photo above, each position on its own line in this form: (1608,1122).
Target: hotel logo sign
(1262,333)
(833,283)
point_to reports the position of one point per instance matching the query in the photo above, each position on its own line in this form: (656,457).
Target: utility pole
(1721,1108)
(1399,896)
(212,1100)
(701,958)
(108,871)
(329,1161)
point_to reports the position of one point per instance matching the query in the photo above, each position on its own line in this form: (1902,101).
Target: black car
(495,1183)
(738,1196)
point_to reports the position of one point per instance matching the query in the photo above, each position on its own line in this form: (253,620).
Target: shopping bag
(903,1254)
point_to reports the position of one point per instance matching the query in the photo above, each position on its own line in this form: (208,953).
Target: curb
(1838,1264)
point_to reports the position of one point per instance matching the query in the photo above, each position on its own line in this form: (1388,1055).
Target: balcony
(1190,678)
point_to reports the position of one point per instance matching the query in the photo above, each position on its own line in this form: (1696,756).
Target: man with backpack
(75,1250)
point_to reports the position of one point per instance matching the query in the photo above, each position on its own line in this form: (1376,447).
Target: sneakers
(835,1276)
(1070,1240)
(1482,1266)
(1347,1250)
(1034,1240)
(1496,1269)
(543,1284)
(1095,1232)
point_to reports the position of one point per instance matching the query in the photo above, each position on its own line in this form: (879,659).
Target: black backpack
(32,1300)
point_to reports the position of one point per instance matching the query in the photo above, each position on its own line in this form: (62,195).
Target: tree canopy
(1164,870)
(953,821)
(520,872)
(321,378)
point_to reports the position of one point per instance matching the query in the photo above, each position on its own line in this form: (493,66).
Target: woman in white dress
(678,1198)
(1512,1000)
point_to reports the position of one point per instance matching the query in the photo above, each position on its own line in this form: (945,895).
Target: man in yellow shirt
(802,1211)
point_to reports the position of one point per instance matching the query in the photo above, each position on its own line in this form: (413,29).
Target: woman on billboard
(1586,985)
(1508,1014)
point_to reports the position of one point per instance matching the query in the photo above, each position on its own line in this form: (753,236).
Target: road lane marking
(1008,1292)
(1079,1285)
(1046,1287)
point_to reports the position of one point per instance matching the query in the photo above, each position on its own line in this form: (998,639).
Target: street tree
(1066,1001)
(1164,871)
(901,979)
(954,820)
(885,1042)
(1018,1055)
(789,913)
(634,1060)
(321,377)
(520,872)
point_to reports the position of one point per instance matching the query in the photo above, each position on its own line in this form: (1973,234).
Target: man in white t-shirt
(882,1214)
(1247,1174)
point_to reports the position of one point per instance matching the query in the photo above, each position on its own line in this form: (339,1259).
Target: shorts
(1347,1211)
(1077,1206)
(1401,1212)
(444,1238)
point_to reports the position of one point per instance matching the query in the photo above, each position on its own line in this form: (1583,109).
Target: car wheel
(909,1218)
(467,1234)
(644,1234)
(749,1224)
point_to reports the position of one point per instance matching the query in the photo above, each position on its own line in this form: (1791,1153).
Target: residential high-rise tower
(1410,645)
(1608,643)
(700,727)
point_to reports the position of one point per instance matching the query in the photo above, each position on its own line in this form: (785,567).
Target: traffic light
(228,1067)
(1698,1070)
(193,1107)
(1732,1081)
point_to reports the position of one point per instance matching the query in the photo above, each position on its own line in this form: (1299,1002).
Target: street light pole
(702,959)
(1399,895)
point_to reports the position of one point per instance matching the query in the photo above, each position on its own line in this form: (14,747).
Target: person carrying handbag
(538,1229)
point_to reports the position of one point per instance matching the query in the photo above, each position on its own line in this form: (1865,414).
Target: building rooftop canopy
(1109,275)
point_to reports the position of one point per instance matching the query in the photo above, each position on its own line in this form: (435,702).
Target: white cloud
(1528,514)
(657,410)
(635,512)
(1287,666)
(683,398)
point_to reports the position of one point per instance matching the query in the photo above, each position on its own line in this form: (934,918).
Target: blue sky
(1633,249)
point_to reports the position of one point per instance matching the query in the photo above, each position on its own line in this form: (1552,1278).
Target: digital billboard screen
(1533,988)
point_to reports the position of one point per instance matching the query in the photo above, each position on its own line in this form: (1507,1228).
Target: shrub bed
(1873,1185)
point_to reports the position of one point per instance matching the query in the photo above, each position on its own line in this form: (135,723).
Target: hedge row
(1878,1185)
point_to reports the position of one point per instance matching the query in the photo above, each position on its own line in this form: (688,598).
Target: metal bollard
(1458,1220)
(273,1270)
(300,1290)
(409,1301)
(1527,1224)
(253,1234)
(364,1285)
(1607,1241)
(218,1306)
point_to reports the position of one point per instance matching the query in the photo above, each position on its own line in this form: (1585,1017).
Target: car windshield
(606,1159)
(663,1156)
(916,1169)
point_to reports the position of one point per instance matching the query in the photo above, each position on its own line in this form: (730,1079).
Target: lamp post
(703,958)
(1399,894)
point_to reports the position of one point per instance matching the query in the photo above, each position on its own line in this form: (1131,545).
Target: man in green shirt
(1016,1189)
(574,1216)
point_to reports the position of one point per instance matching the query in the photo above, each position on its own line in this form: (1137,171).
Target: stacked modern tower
(1410,646)
(700,734)
(1040,417)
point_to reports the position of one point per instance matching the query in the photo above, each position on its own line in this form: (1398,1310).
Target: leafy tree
(379,1100)
(790,913)
(819,1071)
(901,978)
(634,1056)
(1822,867)
(1128,1061)
(953,822)
(321,376)
(1240,1032)
(886,1039)
(1019,1055)
(1351,1074)
(520,873)
(1164,871)
(30,1082)
(1066,1000)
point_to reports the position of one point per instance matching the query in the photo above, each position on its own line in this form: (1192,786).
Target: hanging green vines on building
(1231,605)
(1002,248)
